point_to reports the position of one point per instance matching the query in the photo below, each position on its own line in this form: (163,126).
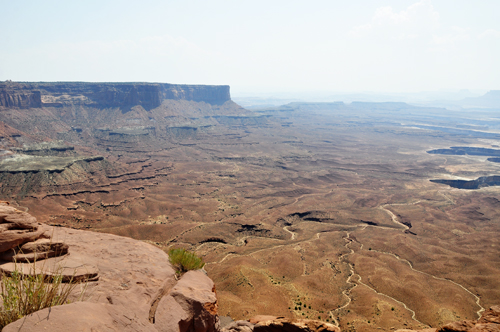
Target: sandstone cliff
(105,95)
(98,123)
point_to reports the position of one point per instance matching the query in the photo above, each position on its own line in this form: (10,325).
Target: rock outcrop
(489,322)
(104,95)
(18,228)
(131,285)
(19,98)
(279,324)
(189,306)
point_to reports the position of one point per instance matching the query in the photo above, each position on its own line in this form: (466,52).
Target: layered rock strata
(104,95)
(17,229)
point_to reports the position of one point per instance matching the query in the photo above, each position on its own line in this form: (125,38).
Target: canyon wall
(105,95)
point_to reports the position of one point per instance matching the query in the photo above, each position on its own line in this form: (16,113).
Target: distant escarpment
(104,95)
(77,139)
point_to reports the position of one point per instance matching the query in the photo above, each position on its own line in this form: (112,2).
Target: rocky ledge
(265,323)
(106,95)
(489,322)
(131,285)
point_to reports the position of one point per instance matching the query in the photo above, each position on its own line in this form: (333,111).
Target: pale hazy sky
(275,46)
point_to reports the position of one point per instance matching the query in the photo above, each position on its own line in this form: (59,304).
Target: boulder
(190,306)
(17,227)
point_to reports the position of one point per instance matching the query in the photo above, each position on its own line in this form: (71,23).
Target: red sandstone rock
(35,251)
(17,227)
(82,316)
(131,274)
(190,306)
(488,327)
(137,289)
(23,239)
(460,326)
(263,324)
(489,322)
(491,315)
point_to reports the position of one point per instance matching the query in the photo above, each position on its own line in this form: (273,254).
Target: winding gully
(355,279)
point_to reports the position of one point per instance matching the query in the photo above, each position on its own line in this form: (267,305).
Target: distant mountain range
(463,99)
(490,100)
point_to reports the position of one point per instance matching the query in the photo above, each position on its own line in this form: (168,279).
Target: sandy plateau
(320,211)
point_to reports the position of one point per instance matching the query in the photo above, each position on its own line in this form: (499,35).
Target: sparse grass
(184,260)
(22,295)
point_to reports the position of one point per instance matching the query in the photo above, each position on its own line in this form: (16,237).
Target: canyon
(321,211)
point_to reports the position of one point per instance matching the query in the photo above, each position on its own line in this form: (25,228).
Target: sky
(257,46)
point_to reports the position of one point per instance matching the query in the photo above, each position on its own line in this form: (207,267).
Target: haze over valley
(336,165)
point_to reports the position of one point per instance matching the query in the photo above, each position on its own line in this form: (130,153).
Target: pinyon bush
(184,260)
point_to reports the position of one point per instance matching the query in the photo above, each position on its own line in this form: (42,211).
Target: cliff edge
(131,285)
(106,95)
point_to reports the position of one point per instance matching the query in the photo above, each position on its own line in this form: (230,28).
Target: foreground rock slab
(82,316)
(128,285)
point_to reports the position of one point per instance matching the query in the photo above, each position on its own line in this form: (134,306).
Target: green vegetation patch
(184,260)
(22,294)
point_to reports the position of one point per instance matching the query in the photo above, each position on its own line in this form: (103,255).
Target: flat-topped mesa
(104,95)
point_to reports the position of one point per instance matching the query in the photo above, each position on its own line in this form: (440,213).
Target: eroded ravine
(353,279)
(359,281)
(395,220)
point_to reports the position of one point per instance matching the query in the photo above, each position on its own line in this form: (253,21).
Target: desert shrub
(22,294)
(184,260)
